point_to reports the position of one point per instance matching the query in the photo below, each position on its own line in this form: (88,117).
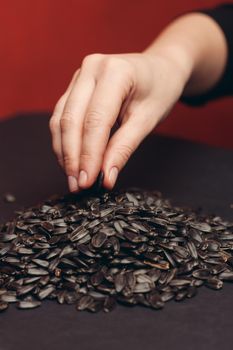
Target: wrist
(178,55)
(197,46)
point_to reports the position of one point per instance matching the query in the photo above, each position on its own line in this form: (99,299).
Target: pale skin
(137,90)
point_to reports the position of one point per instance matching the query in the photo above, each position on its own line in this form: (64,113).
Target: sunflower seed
(214,283)
(97,248)
(28,304)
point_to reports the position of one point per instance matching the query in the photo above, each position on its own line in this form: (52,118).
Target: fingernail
(82,178)
(73,183)
(113,175)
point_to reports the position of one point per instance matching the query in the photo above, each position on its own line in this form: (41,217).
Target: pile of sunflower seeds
(95,251)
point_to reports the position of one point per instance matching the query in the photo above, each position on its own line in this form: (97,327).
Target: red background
(42,42)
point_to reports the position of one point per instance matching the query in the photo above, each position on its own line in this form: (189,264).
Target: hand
(137,90)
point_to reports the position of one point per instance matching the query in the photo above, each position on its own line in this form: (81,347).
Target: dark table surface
(190,175)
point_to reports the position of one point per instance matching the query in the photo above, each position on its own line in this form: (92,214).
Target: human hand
(137,90)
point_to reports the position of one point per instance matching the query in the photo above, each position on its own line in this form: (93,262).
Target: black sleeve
(223,15)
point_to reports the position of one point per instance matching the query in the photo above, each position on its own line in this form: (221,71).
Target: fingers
(54,122)
(101,115)
(71,125)
(122,145)
(84,115)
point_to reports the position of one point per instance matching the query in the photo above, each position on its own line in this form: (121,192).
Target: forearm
(197,45)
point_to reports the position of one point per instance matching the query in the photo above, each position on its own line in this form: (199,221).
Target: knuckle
(92,59)
(93,120)
(109,64)
(67,120)
(124,152)
(120,71)
(87,159)
(112,63)
(53,123)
